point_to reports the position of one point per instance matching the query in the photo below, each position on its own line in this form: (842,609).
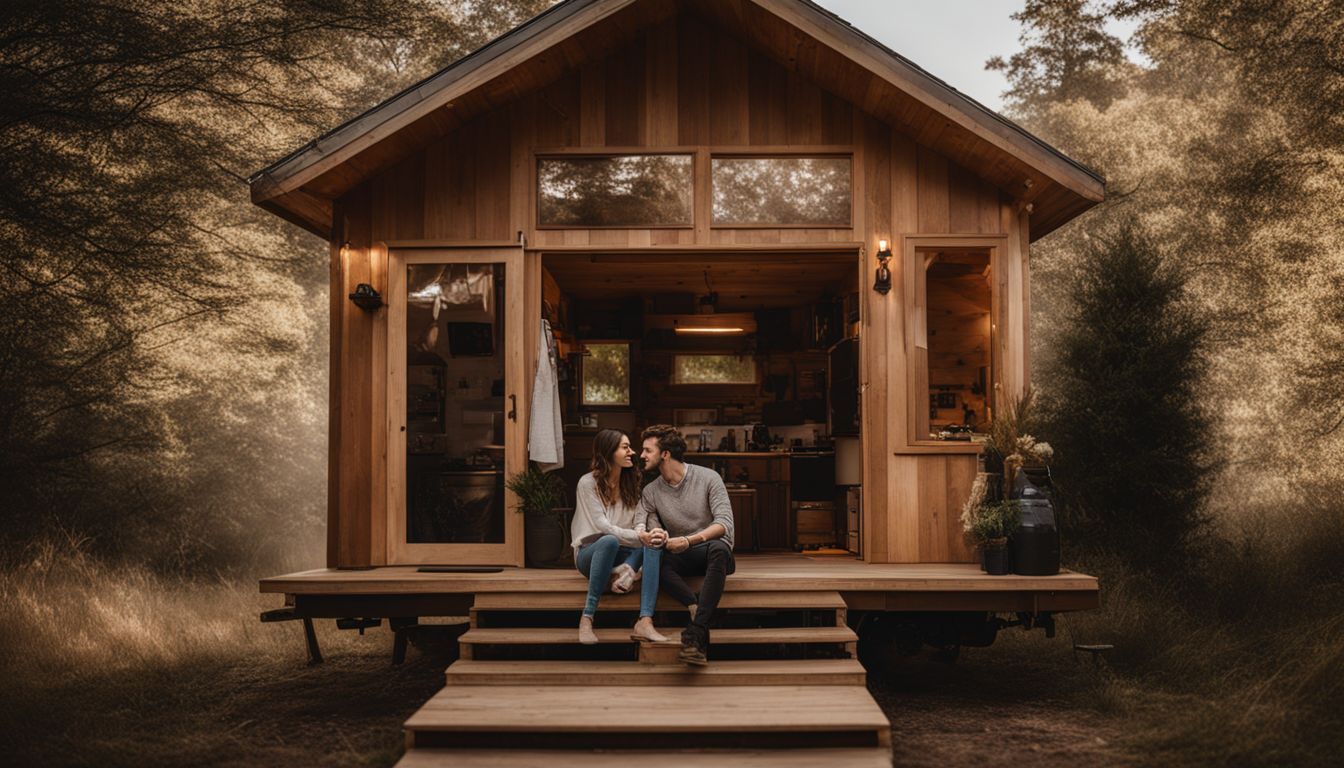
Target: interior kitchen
(754,359)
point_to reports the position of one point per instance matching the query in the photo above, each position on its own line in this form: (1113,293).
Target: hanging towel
(545,434)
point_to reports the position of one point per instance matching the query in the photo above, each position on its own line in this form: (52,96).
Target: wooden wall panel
(682,83)
(877,316)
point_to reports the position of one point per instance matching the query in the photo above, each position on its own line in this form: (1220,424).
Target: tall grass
(115,665)
(1241,660)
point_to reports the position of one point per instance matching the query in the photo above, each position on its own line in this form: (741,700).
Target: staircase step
(601,673)
(570,635)
(573,601)
(871,757)
(617,717)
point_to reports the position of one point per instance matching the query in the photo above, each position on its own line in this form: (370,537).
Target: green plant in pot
(541,499)
(989,527)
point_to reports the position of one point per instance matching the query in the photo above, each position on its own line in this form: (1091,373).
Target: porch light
(366,298)
(883,282)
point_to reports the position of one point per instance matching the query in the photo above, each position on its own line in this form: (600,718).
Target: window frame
(672,374)
(916,333)
(588,154)
(583,372)
(847,154)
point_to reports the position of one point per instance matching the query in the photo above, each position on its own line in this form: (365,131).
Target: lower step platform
(603,673)
(635,717)
(871,757)
(570,635)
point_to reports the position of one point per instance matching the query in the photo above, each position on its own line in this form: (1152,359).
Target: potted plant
(546,521)
(990,526)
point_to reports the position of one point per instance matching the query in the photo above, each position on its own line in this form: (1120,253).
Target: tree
(1135,456)
(162,360)
(1066,55)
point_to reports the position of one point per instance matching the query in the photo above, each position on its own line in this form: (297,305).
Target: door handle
(513,408)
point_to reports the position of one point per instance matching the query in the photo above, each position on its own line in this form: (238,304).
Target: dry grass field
(118,666)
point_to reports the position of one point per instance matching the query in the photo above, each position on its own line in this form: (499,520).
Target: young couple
(679,525)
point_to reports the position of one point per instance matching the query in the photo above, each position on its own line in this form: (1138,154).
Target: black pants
(713,560)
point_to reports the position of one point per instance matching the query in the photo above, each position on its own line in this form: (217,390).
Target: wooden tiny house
(711,106)
(743,217)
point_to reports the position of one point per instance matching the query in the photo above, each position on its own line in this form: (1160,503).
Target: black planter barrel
(1034,547)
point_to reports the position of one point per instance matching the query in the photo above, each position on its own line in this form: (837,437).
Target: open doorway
(752,355)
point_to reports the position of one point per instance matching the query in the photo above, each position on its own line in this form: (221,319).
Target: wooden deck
(863,586)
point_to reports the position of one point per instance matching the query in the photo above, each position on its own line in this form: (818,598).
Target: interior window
(959,339)
(606,374)
(614,191)
(714,369)
(782,191)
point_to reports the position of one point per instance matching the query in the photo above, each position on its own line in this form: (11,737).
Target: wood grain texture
(688,81)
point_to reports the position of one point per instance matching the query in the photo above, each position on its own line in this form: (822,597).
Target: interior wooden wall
(687,84)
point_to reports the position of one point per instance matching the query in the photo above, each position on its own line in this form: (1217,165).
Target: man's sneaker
(692,654)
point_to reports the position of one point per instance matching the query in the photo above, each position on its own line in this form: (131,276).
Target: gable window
(606,374)
(614,191)
(782,191)
(714,369)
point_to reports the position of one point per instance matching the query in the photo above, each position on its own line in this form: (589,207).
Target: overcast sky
(951,39)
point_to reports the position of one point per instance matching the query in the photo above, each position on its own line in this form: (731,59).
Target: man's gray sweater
(690,506)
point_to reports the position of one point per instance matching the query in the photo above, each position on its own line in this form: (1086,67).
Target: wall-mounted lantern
(366,298)
(883,283)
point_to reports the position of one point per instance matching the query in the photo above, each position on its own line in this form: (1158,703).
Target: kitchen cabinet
(743,501)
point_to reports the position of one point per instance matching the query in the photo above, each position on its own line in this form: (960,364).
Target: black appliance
(842,388)
(812,475)
(1035,544)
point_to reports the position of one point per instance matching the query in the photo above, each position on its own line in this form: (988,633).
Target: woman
(609,537)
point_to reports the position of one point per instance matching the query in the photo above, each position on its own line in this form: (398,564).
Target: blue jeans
(596,559)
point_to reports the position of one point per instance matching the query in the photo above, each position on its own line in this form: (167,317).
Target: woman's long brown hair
(604,445)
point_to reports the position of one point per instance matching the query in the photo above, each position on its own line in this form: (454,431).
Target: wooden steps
(570,635)
(871,757)
(573,601)
(625,716)
(603,673)
(527,694)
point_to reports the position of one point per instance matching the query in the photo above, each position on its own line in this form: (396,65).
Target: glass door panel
(453,407)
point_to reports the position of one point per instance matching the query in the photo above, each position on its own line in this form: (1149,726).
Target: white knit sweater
(593,519)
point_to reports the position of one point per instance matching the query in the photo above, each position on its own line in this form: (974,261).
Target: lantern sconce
(366,297)
(883,282)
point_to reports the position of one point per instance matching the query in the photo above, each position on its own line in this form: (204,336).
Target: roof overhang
(798,34)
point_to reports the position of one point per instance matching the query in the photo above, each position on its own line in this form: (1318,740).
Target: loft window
(606,374)
(714,369)
(782,191)
(614,191)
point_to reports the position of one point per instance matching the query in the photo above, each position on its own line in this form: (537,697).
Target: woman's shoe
(586,634)
(644,631)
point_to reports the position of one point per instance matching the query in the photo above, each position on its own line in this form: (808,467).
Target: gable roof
(797,33)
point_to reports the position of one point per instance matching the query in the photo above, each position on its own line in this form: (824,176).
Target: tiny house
(742,217)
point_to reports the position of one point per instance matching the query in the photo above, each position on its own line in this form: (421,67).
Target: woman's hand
(655,538)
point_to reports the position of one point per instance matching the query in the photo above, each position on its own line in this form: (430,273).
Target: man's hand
(655,538)
(678,544)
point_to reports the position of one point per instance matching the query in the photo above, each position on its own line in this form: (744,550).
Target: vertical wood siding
(683,84)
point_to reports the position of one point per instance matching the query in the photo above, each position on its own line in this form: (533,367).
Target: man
(689,507)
